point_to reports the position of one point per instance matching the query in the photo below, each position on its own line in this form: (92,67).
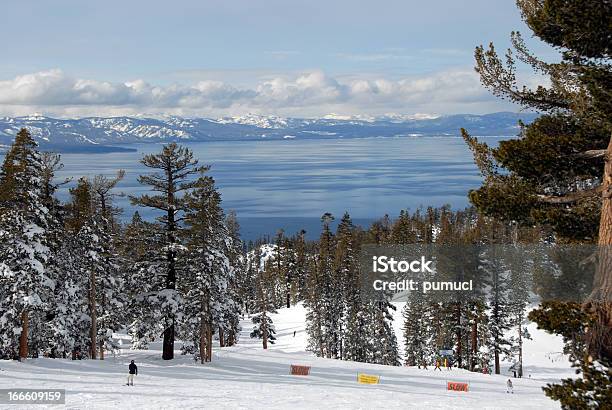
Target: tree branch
(572,197)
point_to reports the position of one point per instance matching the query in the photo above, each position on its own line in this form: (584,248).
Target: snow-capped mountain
(117,133)
(260,121)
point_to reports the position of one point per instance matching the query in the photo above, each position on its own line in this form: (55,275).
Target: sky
(211,58)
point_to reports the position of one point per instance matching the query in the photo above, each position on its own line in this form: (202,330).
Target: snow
(246,376)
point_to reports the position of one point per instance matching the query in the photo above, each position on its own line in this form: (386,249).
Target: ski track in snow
(247,377)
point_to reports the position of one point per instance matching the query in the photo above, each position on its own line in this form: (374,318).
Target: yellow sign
(363,378)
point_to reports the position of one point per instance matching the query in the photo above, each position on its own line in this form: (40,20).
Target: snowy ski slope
(245,376)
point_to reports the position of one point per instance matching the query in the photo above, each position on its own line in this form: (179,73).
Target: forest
(74,272)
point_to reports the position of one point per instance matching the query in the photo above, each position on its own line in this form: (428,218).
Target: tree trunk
(168,352)
(474,343)
(102,313)
(520,352)
(496,361)
(221,337)
(599,302)
(264,329)
(209,340)
(23,338)
(203,351)
(459,336)
(168,347)
(93,329)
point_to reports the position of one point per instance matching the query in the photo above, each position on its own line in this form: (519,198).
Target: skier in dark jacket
(133,370)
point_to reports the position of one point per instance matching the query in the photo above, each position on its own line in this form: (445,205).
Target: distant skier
(133,370)
(437,366)
(509,387)
(294,333)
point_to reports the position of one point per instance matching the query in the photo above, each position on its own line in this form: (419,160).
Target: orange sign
(456,386)
(299,370)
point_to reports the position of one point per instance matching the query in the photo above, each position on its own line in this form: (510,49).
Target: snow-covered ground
(246,376)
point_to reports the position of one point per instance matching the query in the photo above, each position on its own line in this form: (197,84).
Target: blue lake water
(290,183)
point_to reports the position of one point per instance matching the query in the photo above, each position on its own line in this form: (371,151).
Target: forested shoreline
(73,274)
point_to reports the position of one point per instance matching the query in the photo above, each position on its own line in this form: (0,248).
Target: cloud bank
(312,93)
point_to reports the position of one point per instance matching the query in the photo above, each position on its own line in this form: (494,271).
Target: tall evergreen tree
(558,171)
(25,286)
(173,169)
(206,287)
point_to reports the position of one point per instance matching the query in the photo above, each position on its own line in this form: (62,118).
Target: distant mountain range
(98,134)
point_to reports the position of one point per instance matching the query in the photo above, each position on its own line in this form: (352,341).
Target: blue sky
(212,58)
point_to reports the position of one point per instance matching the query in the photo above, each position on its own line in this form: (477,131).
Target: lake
(290,183)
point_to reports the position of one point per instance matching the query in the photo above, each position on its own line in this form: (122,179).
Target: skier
(437,366)
(509,387)
(133,370)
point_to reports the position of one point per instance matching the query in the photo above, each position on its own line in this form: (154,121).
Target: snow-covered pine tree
(353,331)
(479,353)
(331,292)
(25,287)
(208,302)
(144,264)
(402,231)
(385,350)
(263,325)
(301,265)
(237,261)
(56,262)
(248,284)
(498,305)
(173,168)
(519,284)
(418,349)
(96,260)
(70,324)
(111,290)
(324,307)
(314,308)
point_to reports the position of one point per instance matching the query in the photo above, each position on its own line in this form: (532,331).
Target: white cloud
(308,94)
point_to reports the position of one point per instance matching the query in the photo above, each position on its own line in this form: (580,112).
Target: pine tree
(264,326)
(25,286)
(96,260)
(499,306)
(518,299)
(174,166)
(385,349)
(70,324)
(209,302)
(417,345)
(557,172)
(331,310)
(353,333)
(237,261)
(301,265)
(141,249)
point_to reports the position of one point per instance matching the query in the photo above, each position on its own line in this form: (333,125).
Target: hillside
(117,133)
(245,376)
